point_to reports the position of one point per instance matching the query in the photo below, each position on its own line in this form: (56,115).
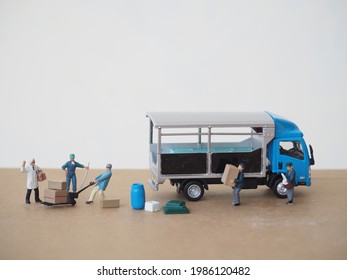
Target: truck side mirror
(312,161)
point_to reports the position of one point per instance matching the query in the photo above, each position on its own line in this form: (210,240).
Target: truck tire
(193,190)
(279,190)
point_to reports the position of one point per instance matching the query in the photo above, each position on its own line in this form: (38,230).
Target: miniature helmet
(72,155)
(289,164)
(242,165)
(109,165)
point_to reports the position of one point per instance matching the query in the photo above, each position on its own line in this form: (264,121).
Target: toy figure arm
(79,165)
(240,179)
(64,166)
(23,169)
(104,176)
(290,176)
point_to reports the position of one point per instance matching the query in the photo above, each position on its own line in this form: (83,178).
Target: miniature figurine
(101,182)
(239,183)
(70,168)
(32,180)
(291,178)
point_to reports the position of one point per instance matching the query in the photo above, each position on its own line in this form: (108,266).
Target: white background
(79,76)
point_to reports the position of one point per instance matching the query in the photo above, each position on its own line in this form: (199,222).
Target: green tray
(175,207)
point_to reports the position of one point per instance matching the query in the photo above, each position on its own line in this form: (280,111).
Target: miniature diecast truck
(191,150)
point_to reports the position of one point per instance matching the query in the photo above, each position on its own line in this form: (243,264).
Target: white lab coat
(32,182)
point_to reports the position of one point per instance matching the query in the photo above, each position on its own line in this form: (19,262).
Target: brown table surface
(263,227)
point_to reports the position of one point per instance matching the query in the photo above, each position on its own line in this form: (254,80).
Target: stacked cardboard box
(57,185)
(229,175)
(109,203)
(56,192)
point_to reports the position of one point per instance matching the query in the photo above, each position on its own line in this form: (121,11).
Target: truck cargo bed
(195,163)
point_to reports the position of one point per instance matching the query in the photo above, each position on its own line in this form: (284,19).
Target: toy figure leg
(37,195)
(290,194)
(27,198)
(68,180)
(74,183)
(92,195)
(236,196)
(102,195)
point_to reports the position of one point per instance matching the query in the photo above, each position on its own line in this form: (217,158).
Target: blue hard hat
(242,164)
(72,155)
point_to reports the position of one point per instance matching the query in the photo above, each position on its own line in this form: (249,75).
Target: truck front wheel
(193,190)
(278,188)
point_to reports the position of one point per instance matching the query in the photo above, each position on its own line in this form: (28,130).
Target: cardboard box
(57,185)
(55,196)
(109,203)
(152,206)
(41,176)
(229,175)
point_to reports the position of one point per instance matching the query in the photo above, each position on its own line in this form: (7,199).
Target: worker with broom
(70,168)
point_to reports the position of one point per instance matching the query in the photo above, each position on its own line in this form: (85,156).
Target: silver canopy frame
(205,124)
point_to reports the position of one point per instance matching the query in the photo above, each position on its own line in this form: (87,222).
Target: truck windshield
(292,149)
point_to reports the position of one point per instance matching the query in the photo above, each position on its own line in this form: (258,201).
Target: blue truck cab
(288,145)
(191,150)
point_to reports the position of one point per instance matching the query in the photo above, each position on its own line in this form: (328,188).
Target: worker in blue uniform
(239,183)
(101,182)
(291,178)
(70,168)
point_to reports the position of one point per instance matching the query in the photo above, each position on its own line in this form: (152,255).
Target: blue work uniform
(291,177)
(103,180)
(240,182)
(71,174)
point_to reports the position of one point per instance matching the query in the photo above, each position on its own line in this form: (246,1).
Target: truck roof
(213,119)
(285,128)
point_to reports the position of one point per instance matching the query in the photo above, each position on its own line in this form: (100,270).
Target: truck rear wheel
(193,190)
(279,190)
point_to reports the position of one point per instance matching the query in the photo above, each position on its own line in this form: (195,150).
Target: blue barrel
(137,195)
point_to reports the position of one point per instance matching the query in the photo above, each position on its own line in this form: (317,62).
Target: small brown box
(57,185)
(41,176)
(55,196)
(109,203)
(229,175)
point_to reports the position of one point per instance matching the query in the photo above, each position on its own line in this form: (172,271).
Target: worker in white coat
(32,182)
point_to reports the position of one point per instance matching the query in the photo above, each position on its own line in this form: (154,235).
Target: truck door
(294,151)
